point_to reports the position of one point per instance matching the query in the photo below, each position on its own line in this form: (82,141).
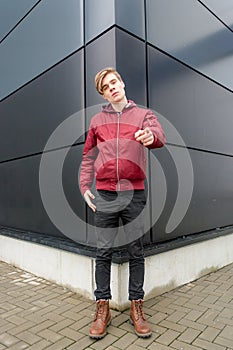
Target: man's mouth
(114,94)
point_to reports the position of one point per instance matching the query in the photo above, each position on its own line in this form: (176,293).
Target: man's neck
(119,106)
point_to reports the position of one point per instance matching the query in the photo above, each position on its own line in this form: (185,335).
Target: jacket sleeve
(151,121)
(90,152)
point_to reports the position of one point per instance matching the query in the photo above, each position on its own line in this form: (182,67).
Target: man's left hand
(146,136)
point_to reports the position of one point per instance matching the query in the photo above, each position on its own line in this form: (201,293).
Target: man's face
(113,89)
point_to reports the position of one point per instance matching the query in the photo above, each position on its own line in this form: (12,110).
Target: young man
(114,154)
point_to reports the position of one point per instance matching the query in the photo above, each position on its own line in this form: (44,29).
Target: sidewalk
(36,314)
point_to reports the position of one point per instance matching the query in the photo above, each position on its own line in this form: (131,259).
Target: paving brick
(60,345)
(168,337)
(71,334)
(7,305)
(7,339)
(40,303)
(227,312)
(16,320)
(223,341)
(209,334)
(18,329)
(28,337)
(176,316)
(119,320)
(191,324)
(184,346)
(72,315)
(45,311)
(83,343)
(180,308)
(85,330)
(37,319)
(205,345)
(226,321)
(49,335)
(196,307)
(135,347)
(117,332)
(210,318)
(7,327)
(18,346)
(126,326)
(41,345)
(193,315)
(156,346)
(61,325)
(62,307)
(81,323)
(158,317)
(104,343)
(189,335)
(226,297)
(227,333)
(125,341)
(151,302)
(181,301)
(89,312)
(146,342)
(10,313)
(39,315)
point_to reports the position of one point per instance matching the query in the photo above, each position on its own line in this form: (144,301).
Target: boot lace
(100,312)
(139,309)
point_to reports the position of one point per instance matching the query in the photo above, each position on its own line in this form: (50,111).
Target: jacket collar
(108,108)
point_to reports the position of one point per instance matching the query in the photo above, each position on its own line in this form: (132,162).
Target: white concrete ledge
(164,271)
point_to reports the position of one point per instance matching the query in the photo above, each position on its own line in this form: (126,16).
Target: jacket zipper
(117,151)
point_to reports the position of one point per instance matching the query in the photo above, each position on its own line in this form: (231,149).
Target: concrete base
(164,271)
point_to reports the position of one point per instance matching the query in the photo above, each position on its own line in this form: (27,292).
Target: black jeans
(111,207)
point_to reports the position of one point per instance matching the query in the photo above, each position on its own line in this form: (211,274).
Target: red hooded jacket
(111,154)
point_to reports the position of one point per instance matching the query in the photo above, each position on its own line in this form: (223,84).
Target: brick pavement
(36,314)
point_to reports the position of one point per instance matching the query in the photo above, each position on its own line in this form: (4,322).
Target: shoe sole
(147,335)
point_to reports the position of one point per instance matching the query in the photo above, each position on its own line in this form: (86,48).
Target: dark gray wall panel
(21,206)
(212,195)
(200,110)
(189,32)
(99,54)
(128,64)
(20,203)
(99,15)
(11,12)
(131,70)
(32,114)
(131,63)
(102,14)
(52,31)
(130,15)
(223,9)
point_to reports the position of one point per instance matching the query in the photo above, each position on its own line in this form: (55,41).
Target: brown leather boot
(101,321)
(137,318)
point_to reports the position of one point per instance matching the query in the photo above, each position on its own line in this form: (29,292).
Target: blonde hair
(101,75)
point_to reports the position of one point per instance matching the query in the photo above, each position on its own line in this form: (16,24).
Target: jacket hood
(109,109)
